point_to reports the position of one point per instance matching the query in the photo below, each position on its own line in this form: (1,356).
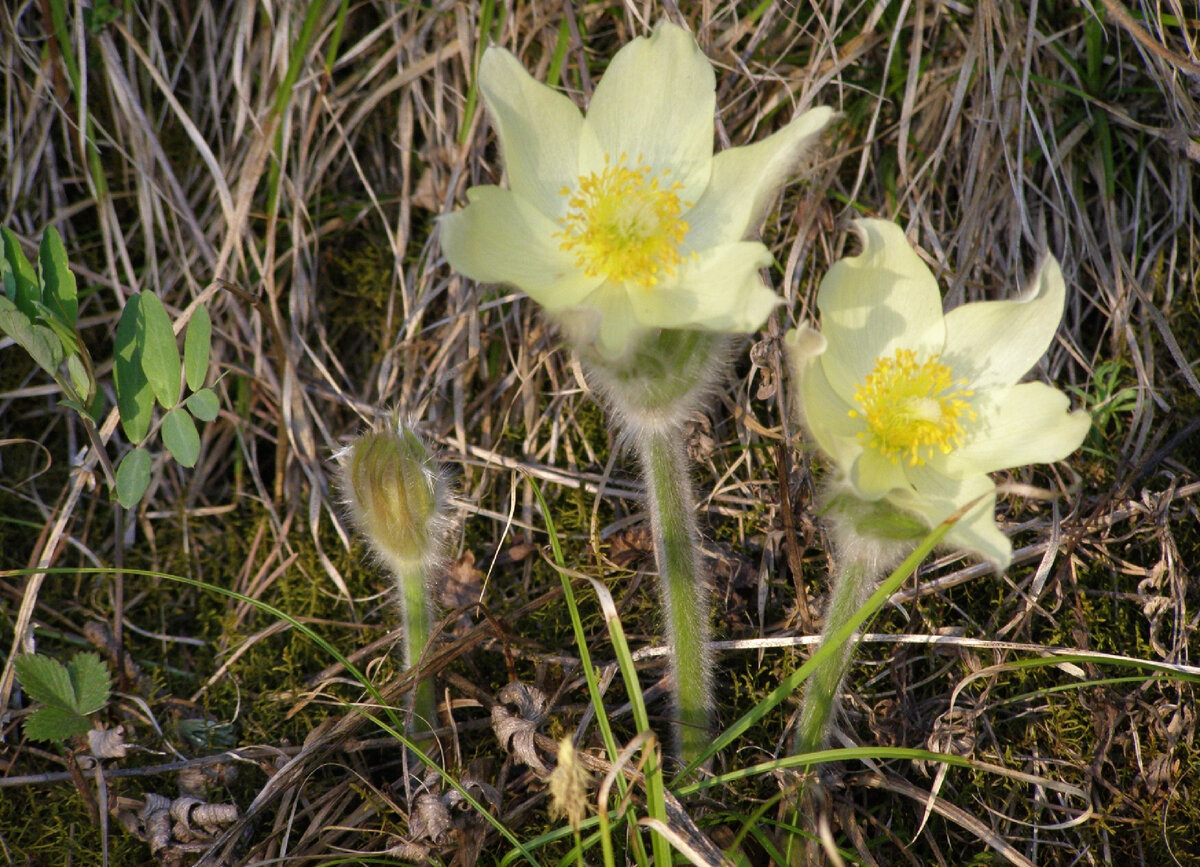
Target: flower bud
(396,497)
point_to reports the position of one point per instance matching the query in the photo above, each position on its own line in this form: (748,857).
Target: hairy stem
(418,623)
(683,588)
(852,586)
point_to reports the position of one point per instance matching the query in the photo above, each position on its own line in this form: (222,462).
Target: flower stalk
(852,585)
(682,583)
(397,500)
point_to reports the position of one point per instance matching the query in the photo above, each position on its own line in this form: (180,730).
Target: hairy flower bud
(395,494)
(397,498)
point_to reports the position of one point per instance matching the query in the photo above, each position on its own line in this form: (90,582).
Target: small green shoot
(1104,399)
(67,694)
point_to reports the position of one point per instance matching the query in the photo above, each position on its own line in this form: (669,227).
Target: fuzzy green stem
(682,585)
(418,624)
(852,586)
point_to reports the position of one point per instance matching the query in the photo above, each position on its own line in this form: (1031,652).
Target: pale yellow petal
(935,497)
(995,343)
(745,179)
(538,127)
(501,238)
(874,475)
(817,405)
(1030,423)
(656,101)
(871,304)
(719,289)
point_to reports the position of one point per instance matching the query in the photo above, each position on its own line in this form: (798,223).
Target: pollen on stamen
(912,408)
(624,223)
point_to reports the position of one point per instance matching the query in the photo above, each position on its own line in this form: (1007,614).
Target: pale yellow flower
(623,220)
(916,407)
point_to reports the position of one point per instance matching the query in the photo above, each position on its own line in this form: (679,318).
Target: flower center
(624,224)
(910,409)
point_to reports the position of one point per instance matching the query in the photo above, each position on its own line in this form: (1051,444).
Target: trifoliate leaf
(135,400)
(55,724)
(160,355)
(180,436)
(196,347)
(133,477)
(89,678)
(46,680)
(204,404)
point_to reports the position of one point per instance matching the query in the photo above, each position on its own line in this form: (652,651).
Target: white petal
(997,342)
(1029,423)
(874,476)
(539,130)
(818,406)
(745,179)
(614,328)
(656,101)
(719,289)
(499,237)
(871,304)
(937,497)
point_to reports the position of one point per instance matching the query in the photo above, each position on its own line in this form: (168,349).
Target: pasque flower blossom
(623,220)
(915,407)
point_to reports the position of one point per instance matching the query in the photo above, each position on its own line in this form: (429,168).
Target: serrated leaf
(59,292)
(133,477)
(24,278)
(40,342)
(46,680)
(203,404)
(197,345)
(160,355)
(81,381)
(180,436)
(55,724)
(135,400)
(89,678)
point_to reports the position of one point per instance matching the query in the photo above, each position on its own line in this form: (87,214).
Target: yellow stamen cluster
(911,408)
(624,223)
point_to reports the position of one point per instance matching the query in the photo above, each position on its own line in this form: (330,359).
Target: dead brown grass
(295,190)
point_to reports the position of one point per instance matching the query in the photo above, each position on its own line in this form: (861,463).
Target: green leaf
(81,380)
(135,400)
(89,677)
(133,477)
(46,680)
(66,334)
(204,404)
(59,292)
(179,434)
(55,724)
(40,342)
(25,286)
(197,345)
(160,355)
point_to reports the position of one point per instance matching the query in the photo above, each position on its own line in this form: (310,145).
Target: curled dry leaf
(515,731)
(108,743)
(430,819)
(156,823)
